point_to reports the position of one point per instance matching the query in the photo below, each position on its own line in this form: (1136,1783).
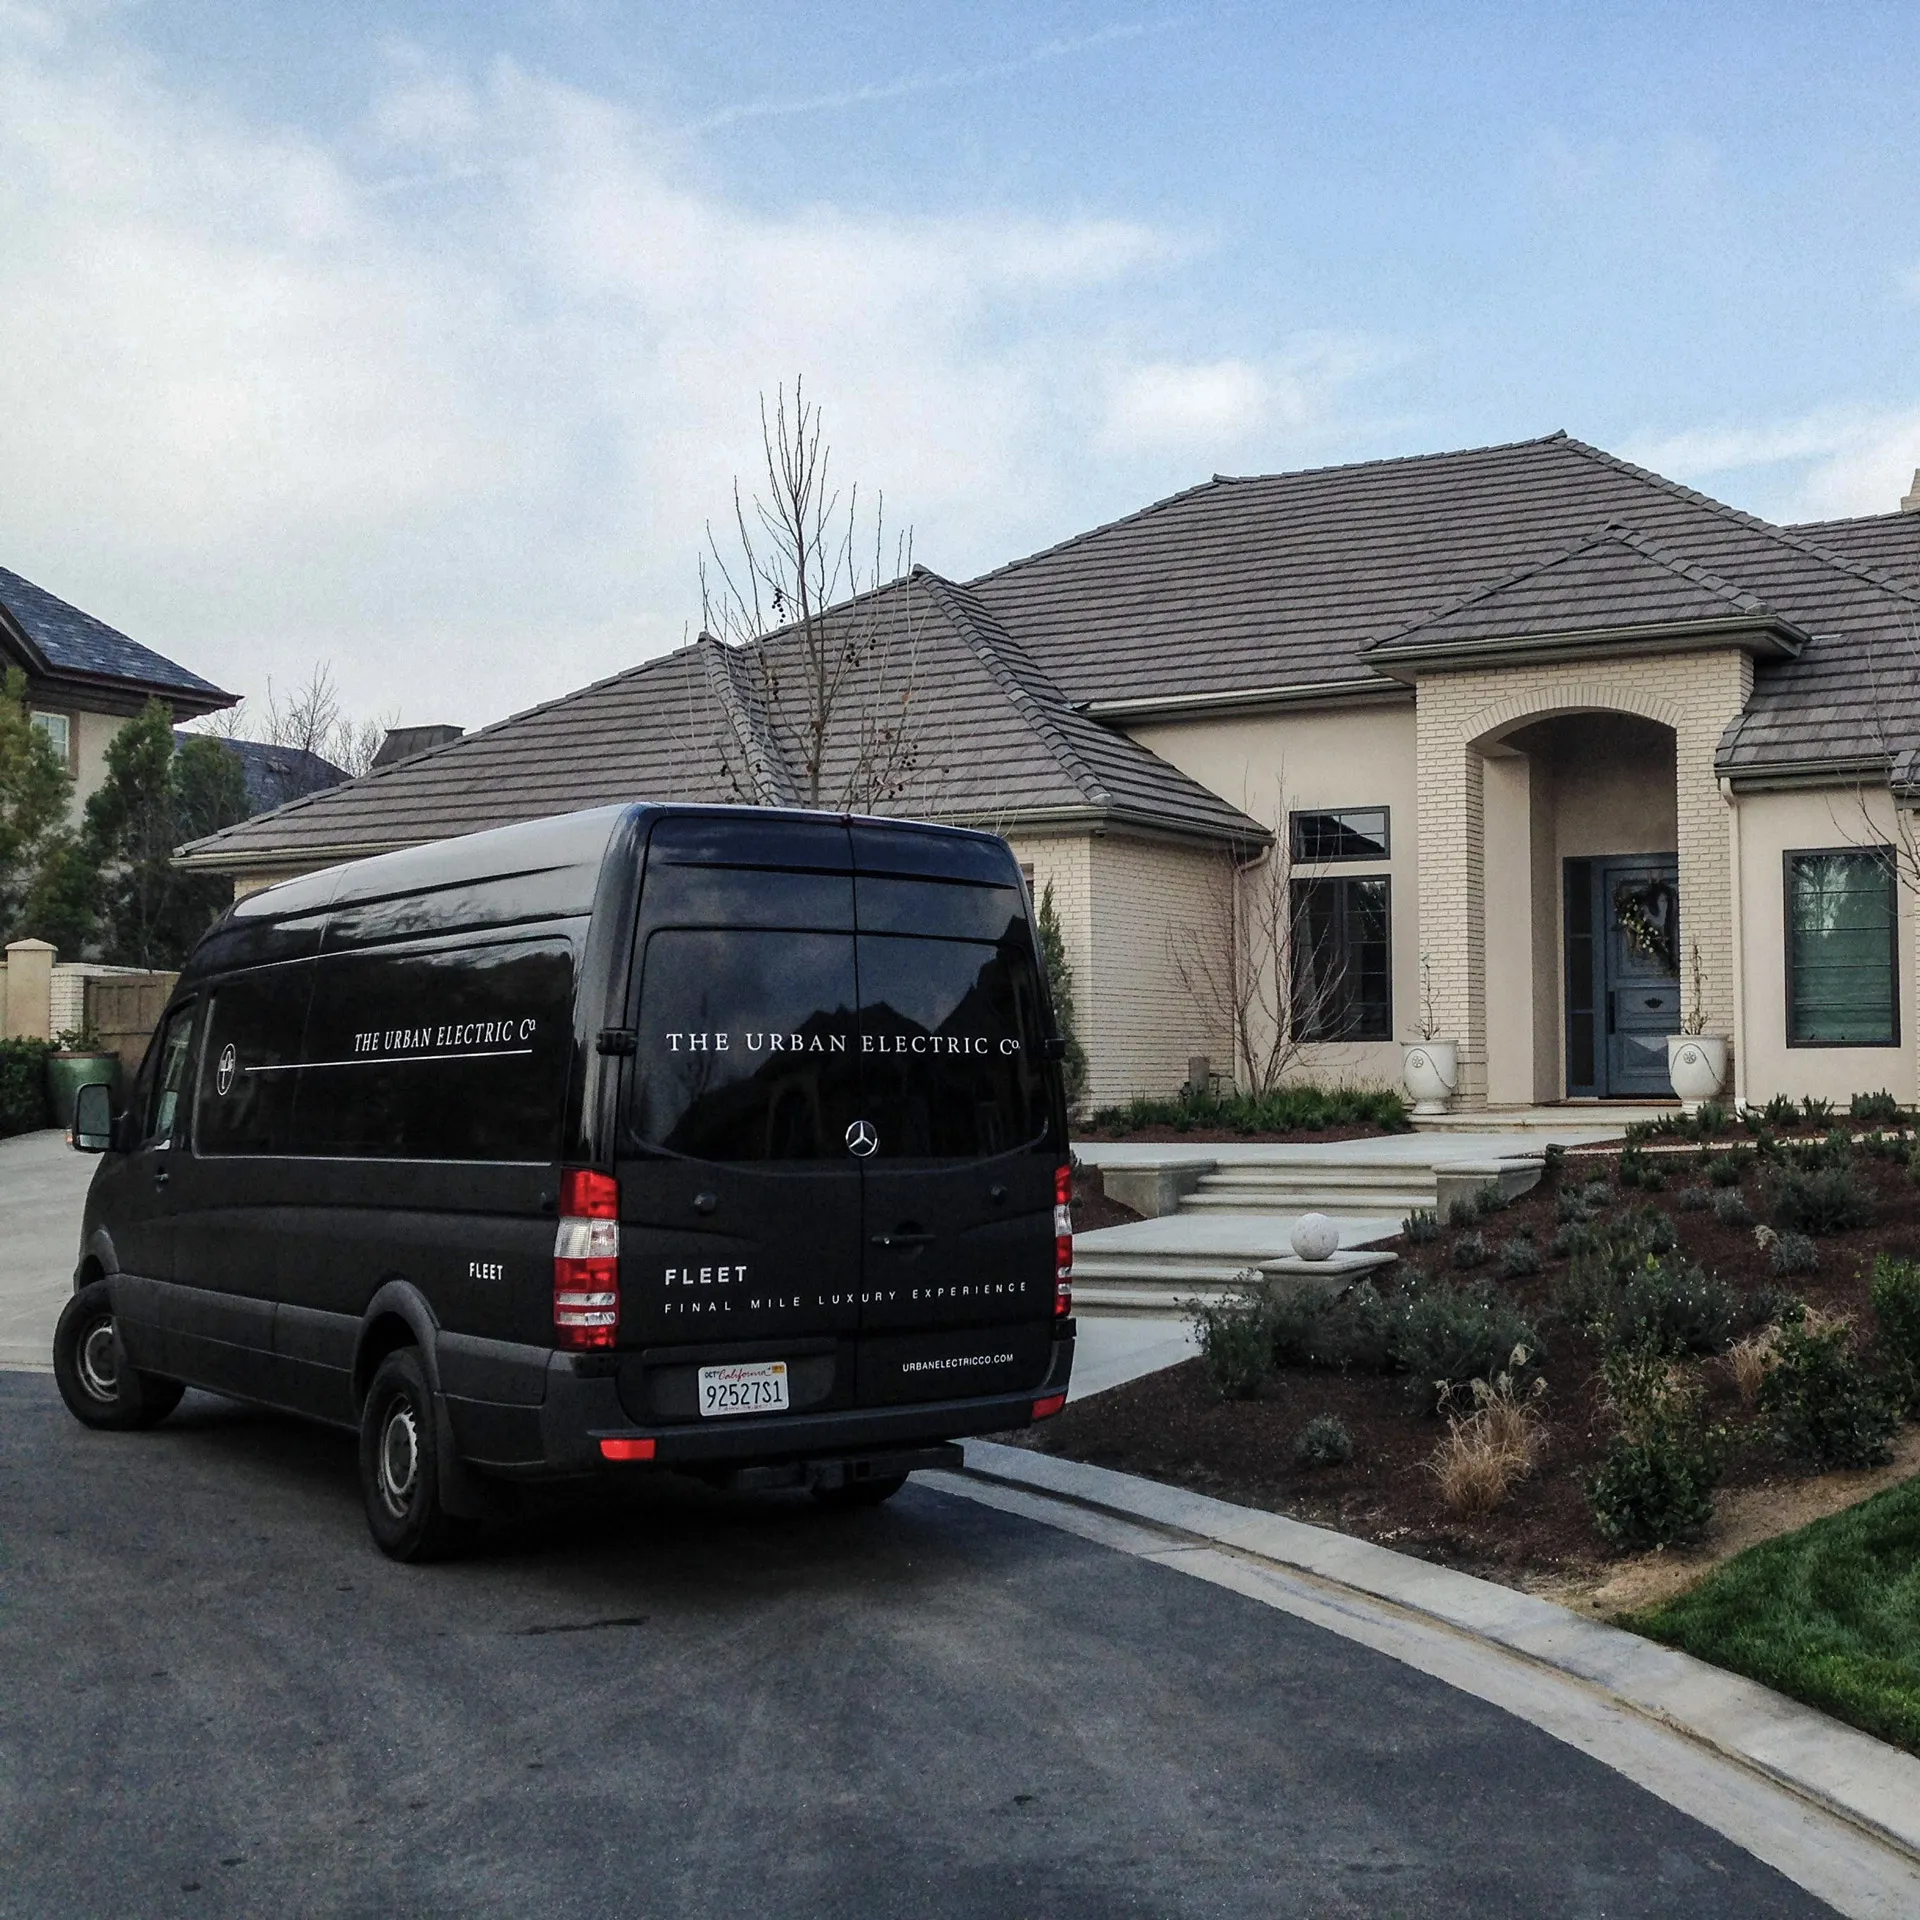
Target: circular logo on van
(861,1139)
(223,1072)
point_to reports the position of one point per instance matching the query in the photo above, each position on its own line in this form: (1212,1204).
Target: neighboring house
(85,680)
(275,774)
(1544,737)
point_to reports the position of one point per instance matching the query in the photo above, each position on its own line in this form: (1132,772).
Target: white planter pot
(1697,1066)
(1431,1069)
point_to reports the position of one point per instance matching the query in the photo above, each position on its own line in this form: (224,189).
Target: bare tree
(311,728)
(829,632)
(1252,969)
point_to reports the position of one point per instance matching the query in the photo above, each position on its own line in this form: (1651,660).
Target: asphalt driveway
(218,1699)
(43,1186)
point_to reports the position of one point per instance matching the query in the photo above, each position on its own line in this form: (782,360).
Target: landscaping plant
(1323,1442)
(1289,1109)
(1655,1486)
(1730,1208)
(1236,1345)
(1793,1254)
(1447,1337)
(1421,1226)
(1519,1256)
(1823,1405)
(23,1086)
(1877,1110)
(1826,1201)
(1895,1292)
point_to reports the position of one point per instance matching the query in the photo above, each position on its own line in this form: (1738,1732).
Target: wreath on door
(1646,912)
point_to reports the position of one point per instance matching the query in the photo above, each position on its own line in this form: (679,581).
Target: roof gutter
(1771,639)
(1191,706)
(1789,776)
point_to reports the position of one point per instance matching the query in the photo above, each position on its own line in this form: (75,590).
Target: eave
(1373,691)
(1768,639)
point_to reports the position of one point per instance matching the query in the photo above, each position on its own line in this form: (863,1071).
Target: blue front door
(1623,974)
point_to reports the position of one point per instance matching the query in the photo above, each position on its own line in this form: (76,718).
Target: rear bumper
(581,1407)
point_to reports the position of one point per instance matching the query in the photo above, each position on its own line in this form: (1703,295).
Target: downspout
(1739,936)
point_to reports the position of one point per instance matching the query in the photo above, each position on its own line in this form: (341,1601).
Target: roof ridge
(766,765)
(1247,479)
(1630,535)
(1871,575)
(973,621)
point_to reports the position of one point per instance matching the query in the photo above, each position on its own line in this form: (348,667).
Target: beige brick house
(1544,752)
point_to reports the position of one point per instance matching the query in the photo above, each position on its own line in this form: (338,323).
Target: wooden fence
(124,1008)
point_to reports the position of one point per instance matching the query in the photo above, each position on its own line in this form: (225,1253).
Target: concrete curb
(1846,1773)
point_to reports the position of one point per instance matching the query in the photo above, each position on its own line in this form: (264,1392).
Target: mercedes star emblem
(861,1138)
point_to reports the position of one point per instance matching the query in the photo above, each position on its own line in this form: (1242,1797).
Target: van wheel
(400,1465)
(860,1493)
(90,1368)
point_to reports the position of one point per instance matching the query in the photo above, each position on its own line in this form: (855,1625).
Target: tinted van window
(951,1038)
(747,1046)
(245,1100)
(438,1055)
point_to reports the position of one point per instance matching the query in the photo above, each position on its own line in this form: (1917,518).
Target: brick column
(29,991)
(1453,883)
(1720,684)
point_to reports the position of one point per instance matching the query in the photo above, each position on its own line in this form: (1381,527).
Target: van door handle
(161,1176)
(899,1239)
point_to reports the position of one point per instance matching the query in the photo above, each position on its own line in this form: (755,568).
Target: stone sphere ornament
(1315,1237)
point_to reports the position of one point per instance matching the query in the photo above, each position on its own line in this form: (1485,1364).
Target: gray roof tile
(71,642)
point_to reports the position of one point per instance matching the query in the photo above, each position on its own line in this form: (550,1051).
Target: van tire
(851,1494)
(90,1368)
(400,1464)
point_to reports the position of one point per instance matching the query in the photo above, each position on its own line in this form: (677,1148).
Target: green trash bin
(68,1072)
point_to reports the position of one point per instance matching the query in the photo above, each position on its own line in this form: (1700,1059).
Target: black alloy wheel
(400,1464)
(90,1368)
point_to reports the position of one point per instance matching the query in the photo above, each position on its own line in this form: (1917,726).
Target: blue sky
(424,339)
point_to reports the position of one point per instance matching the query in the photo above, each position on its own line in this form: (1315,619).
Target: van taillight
(586,1260)
(1063,1241)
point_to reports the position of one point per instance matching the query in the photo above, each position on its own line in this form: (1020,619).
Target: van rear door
(960,1278)
(740,1204)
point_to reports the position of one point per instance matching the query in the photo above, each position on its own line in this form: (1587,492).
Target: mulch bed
(1172,1426)
(1091,1206)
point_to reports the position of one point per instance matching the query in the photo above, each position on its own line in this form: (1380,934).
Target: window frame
(37,716)
(1341,881)
(1885,855)
(1297,816)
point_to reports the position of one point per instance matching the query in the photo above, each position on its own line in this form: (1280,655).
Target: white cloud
(1827,465)
(447,399)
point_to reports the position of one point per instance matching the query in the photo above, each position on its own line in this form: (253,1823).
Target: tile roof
(274,774)
(1614,582)
(1888,542)
(947,719)
(67,641)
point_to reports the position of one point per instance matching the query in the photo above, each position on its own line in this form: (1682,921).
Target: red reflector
(1063,1186)
(1047,1408)
(626,1449)
(586,1195)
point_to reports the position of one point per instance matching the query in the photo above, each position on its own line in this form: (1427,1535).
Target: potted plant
(1430,1067)
(77,1060)
(1696,1059)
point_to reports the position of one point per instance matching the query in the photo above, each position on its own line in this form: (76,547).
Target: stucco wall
(1269,764)
(1768,826)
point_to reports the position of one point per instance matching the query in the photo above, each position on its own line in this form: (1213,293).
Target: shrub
(1519,1256)
(1309,1327)
(1236,1345)
(1637,1170)
(1816,1113)
(1695,1199)
(1710,1119)
(23,1086)
(1491,1198)
(1655,1485)
(1824,1202)
(1886,1146)
(1293,1109)
(1470,1250)
(1572,1208)
(1876,1110)
(1727,1169)
(1464,1211)
(1748,1361)
(1730,1208)
(1323,1442)
(1895,1292)
(1779,1114)
(1793,1254)
(1597,1193)
(1631,1288)
(1568,1242)
(1826,1409)
(1421,1226)
(1448,1337)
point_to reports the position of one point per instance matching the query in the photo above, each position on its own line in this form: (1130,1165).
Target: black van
(722,1139)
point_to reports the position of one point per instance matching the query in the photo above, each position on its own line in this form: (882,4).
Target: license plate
(758,1387)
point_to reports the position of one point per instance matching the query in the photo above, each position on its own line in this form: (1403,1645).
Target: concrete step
(1112,1302)
(1612,1115)
(1172,1283)
(1354,1204)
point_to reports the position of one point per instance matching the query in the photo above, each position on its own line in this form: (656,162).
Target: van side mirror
(1054,1047)
(93,1118)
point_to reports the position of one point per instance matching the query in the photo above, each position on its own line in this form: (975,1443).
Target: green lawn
(1830,1615)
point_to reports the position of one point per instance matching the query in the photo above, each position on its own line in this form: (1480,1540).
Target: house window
(1354,833)
(1342,960)
(59,731)
(1842,987)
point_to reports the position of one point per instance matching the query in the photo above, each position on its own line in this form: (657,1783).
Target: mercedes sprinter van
(724,1140)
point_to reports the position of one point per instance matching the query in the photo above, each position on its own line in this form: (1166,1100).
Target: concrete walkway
(43,1187)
